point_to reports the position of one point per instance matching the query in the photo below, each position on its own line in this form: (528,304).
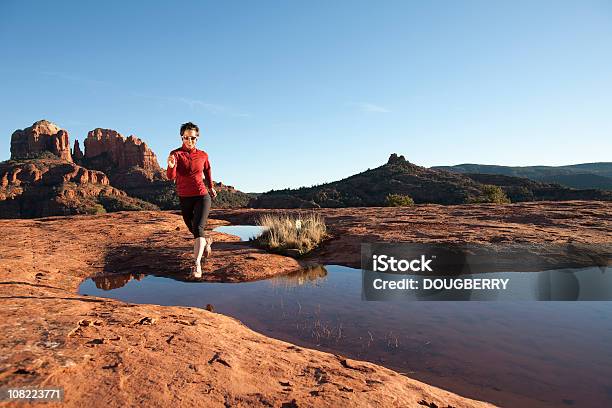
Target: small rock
(88,322)
(428,404)
(112,365)
(147,320)
(185,322)
(217,358)
(290,404)
(24,371)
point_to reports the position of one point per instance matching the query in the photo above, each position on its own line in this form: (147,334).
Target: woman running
(187,165)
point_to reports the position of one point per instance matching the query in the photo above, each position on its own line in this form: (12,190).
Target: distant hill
(523,189)
(398,176)
(581,180)
(582,176)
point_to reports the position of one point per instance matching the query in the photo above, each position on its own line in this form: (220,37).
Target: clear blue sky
(292,93)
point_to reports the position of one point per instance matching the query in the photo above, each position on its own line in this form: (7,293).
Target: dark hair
(189,126)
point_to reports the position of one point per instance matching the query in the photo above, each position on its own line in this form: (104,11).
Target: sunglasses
(190,138)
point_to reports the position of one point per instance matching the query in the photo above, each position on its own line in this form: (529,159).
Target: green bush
(399,200)
(95,209)
(495,194)
(491,194)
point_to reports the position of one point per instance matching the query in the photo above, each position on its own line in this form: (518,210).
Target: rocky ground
(108,353)
(582,224)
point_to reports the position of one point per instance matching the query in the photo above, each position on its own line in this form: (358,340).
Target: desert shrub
(399,200)
(94,209)
(491,194)
(291,234)
(495,194)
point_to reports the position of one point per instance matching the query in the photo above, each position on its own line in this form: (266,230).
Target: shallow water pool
(245,232)
(524,353)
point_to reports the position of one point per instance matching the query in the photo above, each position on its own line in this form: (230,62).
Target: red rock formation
(41,136)
(43,187)
(81,175)
(24,173)
(77,154)
(122,152)
(221,187)
(50,173)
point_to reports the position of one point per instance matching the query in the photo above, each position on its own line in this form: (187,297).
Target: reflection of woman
(188,165)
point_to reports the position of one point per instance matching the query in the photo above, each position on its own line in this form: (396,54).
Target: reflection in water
(245,232)
(302,277)
(531,354)
(308,276)
(114,281)
(559,286)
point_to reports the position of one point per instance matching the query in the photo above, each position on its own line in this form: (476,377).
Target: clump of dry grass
(291,234)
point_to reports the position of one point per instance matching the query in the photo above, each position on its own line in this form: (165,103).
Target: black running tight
(195,213)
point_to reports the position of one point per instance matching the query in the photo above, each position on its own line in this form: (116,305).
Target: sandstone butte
(109,147)
(106,352)
(41,136)
(123,153)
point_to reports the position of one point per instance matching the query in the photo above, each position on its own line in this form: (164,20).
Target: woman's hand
(171,161)
(213,192)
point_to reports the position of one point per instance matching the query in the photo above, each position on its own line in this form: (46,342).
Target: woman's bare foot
(208,249)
